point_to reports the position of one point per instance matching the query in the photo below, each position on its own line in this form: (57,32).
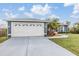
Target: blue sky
(63,11)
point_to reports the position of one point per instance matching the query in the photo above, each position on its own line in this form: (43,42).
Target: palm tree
(54,24)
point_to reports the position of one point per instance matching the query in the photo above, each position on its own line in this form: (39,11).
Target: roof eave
(25,19)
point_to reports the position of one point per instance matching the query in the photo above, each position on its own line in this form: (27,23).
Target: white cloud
(21,8)
(53,16)
(75,12)
(30,15)
(76,9)
(41,10)
(75,16)
(68,4)
(9,14)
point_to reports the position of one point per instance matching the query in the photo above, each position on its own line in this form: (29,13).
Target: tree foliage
(54,24)
(75,28)
(68,22)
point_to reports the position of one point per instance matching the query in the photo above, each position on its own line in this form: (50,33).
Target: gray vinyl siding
(63,28)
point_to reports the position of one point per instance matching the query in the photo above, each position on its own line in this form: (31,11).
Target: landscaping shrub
(52,33)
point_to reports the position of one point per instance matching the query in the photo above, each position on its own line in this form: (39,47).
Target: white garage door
(27,29)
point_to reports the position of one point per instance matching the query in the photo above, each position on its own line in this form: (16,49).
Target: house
(63,27)
(27,27)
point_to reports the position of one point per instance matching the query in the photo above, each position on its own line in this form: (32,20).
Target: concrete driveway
(32,46)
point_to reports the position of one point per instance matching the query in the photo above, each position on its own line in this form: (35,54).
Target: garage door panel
(27,30)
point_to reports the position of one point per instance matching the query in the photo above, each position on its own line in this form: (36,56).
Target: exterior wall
(63,28)
(12,31)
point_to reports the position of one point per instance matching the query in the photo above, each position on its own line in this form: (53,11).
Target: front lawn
(71,43)
(2,39)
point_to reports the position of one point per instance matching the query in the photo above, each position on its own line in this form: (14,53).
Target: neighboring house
(63,28)
(27,27)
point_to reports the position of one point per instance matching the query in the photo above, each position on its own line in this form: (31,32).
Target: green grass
(71,43)
(2,39)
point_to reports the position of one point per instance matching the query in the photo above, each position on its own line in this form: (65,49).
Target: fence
(3,32)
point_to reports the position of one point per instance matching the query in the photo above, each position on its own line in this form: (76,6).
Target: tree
(68,23)
(75,28)
(54,24)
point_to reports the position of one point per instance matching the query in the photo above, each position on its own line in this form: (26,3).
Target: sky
(63,11)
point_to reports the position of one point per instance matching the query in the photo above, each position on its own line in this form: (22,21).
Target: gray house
(63,27)
(20,27)
(27,27)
